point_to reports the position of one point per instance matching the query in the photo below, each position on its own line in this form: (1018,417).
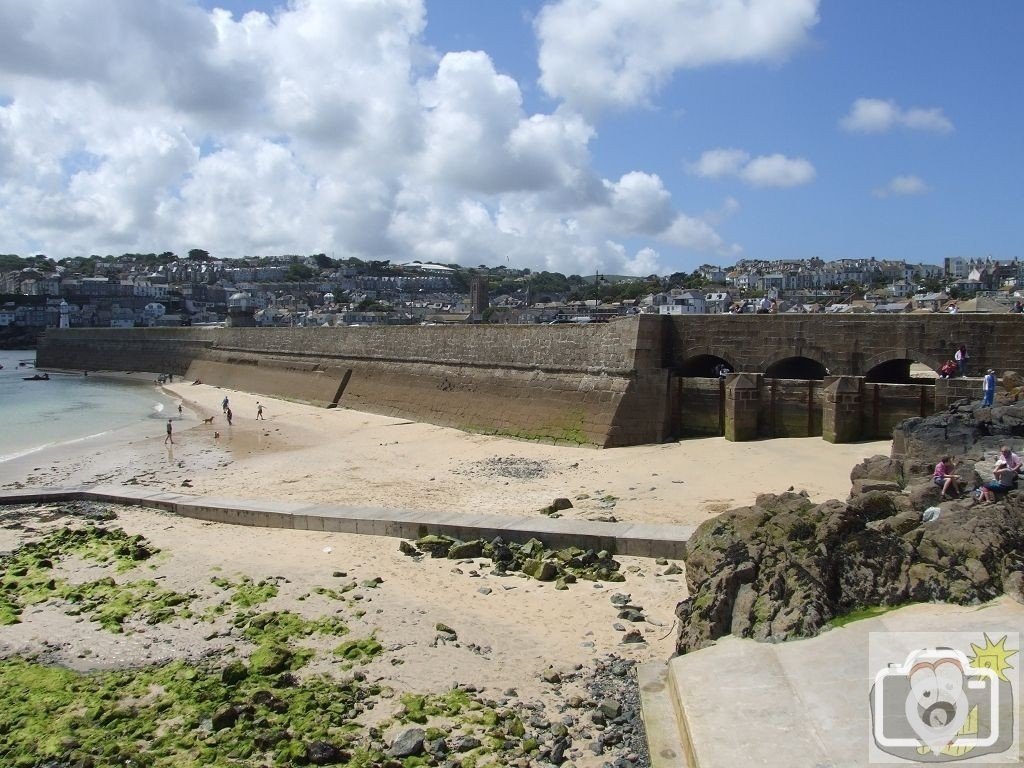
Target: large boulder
(878,468)
(784,568)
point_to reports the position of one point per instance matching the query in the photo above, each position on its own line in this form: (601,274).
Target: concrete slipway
(635,539)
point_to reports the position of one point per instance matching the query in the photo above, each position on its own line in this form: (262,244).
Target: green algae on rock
(565,565)
(361,651)
(164,716)
(27,578)
(247,593)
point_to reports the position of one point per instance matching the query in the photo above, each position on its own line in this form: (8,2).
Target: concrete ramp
(796,704)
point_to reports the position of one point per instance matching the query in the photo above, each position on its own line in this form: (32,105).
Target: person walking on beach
(227,412)
(988,389)
(259,411)
(169,438)
(961,358)
(179,409)
(224,404)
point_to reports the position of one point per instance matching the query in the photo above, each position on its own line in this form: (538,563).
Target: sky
(579,136)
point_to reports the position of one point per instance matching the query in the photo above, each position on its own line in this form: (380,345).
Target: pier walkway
(636,539)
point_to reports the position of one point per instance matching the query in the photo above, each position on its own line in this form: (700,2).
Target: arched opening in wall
(796,368)
(901,371)
(706,366)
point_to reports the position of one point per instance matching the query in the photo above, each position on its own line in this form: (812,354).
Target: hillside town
(146,290)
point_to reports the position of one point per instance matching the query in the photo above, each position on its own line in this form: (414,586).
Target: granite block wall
(607,385)
(848,344)
(601,385)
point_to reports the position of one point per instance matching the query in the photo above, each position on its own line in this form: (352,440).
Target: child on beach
(259,411)
(169,439)
(945,479)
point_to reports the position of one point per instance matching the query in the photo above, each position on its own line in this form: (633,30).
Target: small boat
(37,377)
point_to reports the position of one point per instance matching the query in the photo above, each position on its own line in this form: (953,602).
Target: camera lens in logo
(936,705)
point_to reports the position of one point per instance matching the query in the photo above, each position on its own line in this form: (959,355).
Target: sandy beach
(511,630)
(299,452)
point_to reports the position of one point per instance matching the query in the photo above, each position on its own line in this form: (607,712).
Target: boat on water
(37,377)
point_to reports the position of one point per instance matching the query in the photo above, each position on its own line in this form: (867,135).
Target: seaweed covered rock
(565,566)
(784,568)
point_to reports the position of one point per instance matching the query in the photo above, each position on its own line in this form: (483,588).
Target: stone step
(667,743)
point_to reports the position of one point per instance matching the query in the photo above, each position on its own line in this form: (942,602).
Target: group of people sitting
(1004,477)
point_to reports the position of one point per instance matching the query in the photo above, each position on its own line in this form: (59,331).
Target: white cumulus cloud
(616,53)
(879,116)
(323,126)
(902,186)
(774,170)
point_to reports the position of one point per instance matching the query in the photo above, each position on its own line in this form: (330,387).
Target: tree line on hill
(540,286)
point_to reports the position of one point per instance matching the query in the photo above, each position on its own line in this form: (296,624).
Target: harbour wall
(603,385)
(637,380)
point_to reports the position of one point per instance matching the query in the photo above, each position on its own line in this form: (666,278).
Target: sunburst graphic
(992,656)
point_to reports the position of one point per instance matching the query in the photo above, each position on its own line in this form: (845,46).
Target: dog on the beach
(208,421)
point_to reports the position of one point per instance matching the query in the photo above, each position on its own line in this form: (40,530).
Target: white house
(684,303)
(717,303)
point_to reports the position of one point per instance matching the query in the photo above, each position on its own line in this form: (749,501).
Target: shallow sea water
(68,407)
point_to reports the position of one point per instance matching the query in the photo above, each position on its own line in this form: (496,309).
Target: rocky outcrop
(966,431)
(785,567)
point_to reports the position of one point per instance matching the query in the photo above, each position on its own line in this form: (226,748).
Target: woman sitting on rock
(1004,474)
(945,479)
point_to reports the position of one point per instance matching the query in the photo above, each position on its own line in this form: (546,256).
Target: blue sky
(575,135)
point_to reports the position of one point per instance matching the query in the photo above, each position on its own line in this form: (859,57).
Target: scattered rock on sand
(506,466)
(408,743)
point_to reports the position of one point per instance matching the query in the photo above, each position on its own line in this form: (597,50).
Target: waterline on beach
(38,448)
(67,408)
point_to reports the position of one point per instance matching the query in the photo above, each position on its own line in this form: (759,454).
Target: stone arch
(883,366)
(703,365)
(795,367)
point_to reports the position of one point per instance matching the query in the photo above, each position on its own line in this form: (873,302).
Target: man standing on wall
(988,388)
(961,358)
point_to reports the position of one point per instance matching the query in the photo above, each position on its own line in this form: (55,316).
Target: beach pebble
(408,743)
(549,675)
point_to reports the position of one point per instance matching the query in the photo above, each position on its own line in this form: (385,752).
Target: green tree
(10,261)
(298,272)
(198,254)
